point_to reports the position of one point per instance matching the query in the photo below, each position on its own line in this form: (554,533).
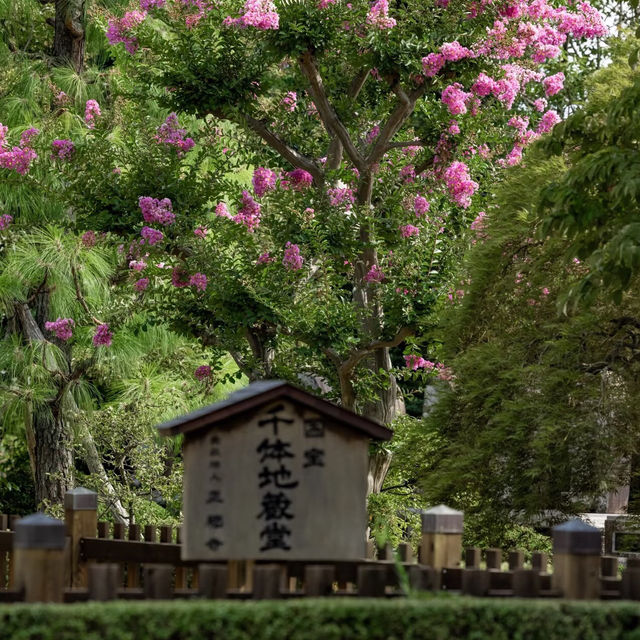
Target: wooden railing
(46,560)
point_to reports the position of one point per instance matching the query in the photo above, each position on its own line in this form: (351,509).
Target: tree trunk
(53,458)
(68,43)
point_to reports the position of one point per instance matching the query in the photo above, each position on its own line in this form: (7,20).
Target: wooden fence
(42,559)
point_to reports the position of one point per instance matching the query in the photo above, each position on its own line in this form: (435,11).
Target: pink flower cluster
(5,220)
(299,179)
(91,112)
(152,236)
(553,84)
(62,327)
(378,15)
(18,159)
(341,197)
(154,210)
(222,211)
(102,336)
(27,136)
(456,99)
(264,180)
(374,274)
(449,52)
(146,5)
(261,14)
(170,133)
(62,149)
(141,285)
(199,281)
(137,265)
(202,372)
(414,362)
(409,230)
(265,258)
(290,101)
(459,184)
(200,232)
(292,259)
(420,206)
(549,120)
(88,239)
(120,30)
(249,213)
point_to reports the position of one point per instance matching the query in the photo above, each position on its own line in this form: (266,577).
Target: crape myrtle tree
(374,130)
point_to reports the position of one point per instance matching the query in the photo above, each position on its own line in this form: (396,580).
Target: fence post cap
(39,531)
(81,499)
(577,537)
(442,519)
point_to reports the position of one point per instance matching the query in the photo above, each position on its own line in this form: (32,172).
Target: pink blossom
(519,123)
(478,223)
(170,133)
(292,258)
(199,281)
(540,104)
(549,120)
(261,14)
(454,51)
(179,278)
(545,291)
(27,136)
(341,196)
(409,230)
(88,239)
(146,5)
(420,206)
(5,221)
(137,265)
(374,274)
(290,101)
(62,149)
(154,210)
(152,236)
(222,211)
(249,212)
(141,285)
(459,184)
(414,362)
(483,86)
(455,98)
(120,30)
(102,336)
(372,135)
(18,159)
(202,372)
(432,63)
(378,15)
(454,128)
(553,84)
(263,180)
(62,327)
(408,173)
(91,112)
(200,232)
(265,258)
(299,179)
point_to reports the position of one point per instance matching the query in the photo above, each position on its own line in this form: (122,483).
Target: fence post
(81,521)
(39,556)
(441,544)
(576,560)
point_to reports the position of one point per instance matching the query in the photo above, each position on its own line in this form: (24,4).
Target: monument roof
(258,394)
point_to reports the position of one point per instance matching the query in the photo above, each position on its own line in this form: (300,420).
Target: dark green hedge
(437,618)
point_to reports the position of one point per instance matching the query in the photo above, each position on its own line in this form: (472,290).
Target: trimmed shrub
(432,618)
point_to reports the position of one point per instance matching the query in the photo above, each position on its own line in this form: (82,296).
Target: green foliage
(16,489)
(446,618)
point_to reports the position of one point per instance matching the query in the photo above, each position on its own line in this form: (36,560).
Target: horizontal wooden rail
(131,551)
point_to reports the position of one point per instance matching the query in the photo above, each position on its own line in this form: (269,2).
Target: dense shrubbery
(438,618)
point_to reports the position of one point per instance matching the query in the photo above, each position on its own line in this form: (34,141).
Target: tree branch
(288,153)
(352,361)
(79,296)
(404,108)
(334,153)
(408,143)
(328,115)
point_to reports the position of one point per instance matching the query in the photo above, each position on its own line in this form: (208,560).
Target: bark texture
(69,38)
